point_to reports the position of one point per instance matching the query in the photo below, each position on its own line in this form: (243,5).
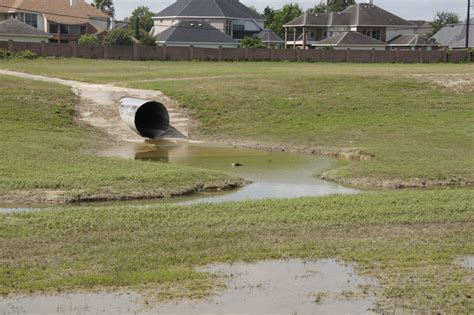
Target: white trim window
(31,19)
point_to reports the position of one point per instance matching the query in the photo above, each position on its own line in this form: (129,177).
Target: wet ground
(269,287)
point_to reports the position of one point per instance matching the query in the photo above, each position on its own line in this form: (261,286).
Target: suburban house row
(223,23)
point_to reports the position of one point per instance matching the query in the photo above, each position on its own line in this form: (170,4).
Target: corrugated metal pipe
(150,119)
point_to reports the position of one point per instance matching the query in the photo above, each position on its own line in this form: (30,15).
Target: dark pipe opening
(152,120)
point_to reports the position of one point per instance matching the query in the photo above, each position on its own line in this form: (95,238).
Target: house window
(63,29)
(31,19)
(74,30)
(53,28)
(83,29)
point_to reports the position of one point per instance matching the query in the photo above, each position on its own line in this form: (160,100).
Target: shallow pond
(273,174)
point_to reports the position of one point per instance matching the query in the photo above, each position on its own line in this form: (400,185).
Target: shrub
(5,54)
(252,42)
(87,39)
(26,54)
(147,40)
(119,37)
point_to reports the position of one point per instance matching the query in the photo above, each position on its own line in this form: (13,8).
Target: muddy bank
(292,286)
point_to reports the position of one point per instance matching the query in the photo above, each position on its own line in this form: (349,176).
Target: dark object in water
(237,165)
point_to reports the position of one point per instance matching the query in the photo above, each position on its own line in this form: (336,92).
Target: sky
(407,9)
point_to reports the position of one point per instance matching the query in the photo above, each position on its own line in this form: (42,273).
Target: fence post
(397,55)
(420,51)
(272,53)
(74,50)
(10,45)
(348,55)
(246,54)
(298,57)
(445,55)
(43,49)
(164,52)
(106,51)
(135,51)
(322,54)
(372,55)
(191,53)
(219,53)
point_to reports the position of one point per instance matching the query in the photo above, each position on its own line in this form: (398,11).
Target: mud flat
(268,287)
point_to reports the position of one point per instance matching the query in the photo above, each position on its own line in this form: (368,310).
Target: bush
(26,54)
(87,39)
(252,42)
(119,37)
(147,40)
(5,54)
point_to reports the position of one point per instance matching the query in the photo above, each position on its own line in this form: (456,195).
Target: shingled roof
(269,36)
(194,32)
(454,35)
(412,40)
(209,8)
(18,28)
(350,39)
(59,11)
(362,14)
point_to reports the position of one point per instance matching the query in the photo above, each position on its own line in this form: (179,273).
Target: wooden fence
(138,52)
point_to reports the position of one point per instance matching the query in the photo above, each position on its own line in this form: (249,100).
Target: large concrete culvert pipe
(149,119)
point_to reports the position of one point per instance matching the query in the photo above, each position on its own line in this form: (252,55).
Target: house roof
(15,27)
(194,32)
(454,35)
(350,39)
(59,11)
(269,36)
(413,40)
(362,14)
(209,8)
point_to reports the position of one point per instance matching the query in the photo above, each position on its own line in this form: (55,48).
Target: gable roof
(209,8)
(350,39)
(366,14)
(59,11)
(362,14)
(413,40)
(454,35)
(15,27)
(194,32)
(269,36)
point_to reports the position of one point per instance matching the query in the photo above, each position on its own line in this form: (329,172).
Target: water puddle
(273,174)
(269,287)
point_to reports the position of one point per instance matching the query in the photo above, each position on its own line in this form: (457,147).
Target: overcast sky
(408,9)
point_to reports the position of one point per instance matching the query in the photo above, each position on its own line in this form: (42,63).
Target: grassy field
(409,120)
(409,240)
(45,155)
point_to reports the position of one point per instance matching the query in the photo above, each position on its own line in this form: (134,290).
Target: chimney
(73,3)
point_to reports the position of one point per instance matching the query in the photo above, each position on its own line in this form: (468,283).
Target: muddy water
(269,287)
(273,174)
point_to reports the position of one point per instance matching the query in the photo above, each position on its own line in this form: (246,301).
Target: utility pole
(468,22)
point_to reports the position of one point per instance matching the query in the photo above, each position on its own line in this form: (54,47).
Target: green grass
(44,154)
(410,240)
(418,131)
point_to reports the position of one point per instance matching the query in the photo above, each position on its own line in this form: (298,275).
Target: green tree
(254,9)
(87,39)
(442,19)
(269,15)
(146,39)
(286,14)
(106,6)
(331,6)
(252,42)
(144,17)
(119,37)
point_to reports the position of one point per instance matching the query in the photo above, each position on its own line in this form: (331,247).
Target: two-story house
(65,20)
(308,30)
(230,17)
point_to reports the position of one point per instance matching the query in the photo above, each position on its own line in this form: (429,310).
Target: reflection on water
(273,174)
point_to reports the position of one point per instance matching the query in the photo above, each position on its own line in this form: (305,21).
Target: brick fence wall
(237,54)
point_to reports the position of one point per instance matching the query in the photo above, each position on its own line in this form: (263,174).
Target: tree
(144,16)
(146,39)
(442,19)
(119,37)
(331,6)
(254,9)
(87,39)
(286,14)
(106,6)
(269,15)
(252,42)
